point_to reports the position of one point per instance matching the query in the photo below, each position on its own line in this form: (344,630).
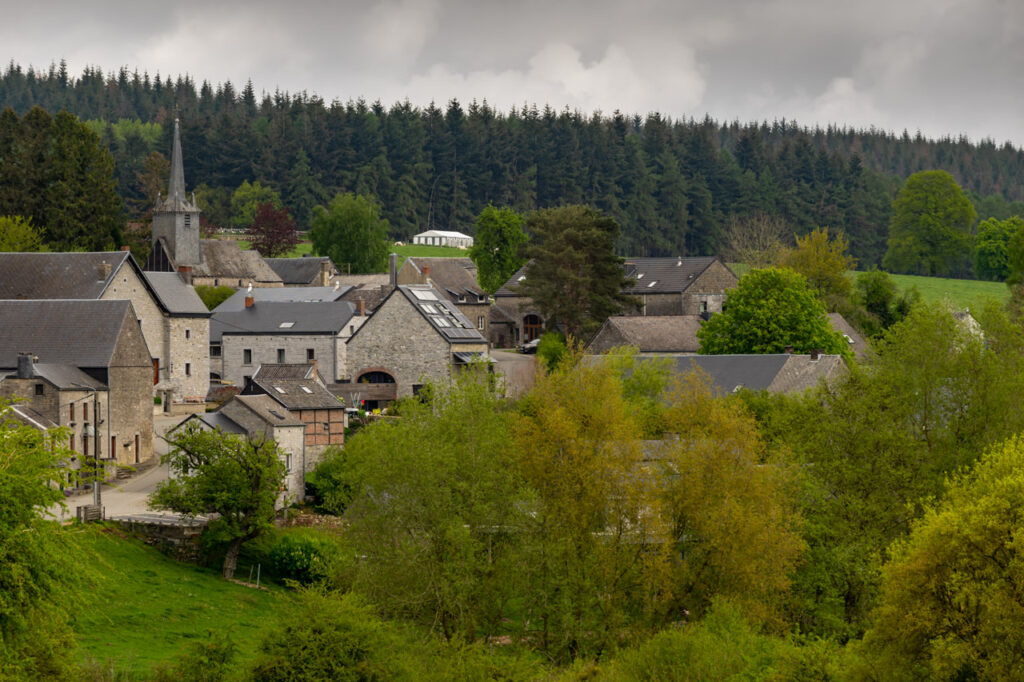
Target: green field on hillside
(145,608)
(961,293)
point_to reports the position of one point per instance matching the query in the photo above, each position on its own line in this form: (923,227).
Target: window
(85,412)
(280,355)
(310,355)
(479,321)
(188,334)
(71,413)
(40,389)
(156,371)
(71,442)
(188,369)
(188,220)
(98,405)
(113,446)
(214,351)
(703,306)
(247,356)
(85,445)
(288,463)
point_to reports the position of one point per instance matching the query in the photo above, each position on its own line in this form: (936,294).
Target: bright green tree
(498,246)
(824,262)
(951,604)
(878,295)
(574,276)
(351,232)
(18,234)
(768,311)
(246,200)
(213,296)
(236,478)
(433,500)
(930,229)
(992,248)
(39,565)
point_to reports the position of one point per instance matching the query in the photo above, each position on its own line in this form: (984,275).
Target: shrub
(302,558)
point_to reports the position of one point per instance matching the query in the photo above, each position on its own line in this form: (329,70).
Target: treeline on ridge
(673,185)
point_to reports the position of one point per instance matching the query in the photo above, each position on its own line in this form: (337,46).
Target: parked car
(530,346)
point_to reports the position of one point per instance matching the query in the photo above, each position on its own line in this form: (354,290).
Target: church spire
(176,190)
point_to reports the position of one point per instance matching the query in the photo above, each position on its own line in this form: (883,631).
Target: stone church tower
(176,219)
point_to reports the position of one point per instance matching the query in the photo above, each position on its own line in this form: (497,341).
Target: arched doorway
(531,327)
(384,390)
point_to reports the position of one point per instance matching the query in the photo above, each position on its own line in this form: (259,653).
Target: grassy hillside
(146,608)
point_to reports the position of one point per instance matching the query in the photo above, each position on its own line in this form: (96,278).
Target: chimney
(186,273)
(426,274)
(789,350)
(126,248)
(815,354)
(25,368)
(325,273)
(104,270)
(393,270)
(362,307)
(249,301)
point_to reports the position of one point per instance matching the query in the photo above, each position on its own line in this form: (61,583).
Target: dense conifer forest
(674,185)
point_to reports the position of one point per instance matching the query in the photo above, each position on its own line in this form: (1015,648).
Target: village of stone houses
(525,456)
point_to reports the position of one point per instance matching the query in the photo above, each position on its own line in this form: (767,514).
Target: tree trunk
(231,558)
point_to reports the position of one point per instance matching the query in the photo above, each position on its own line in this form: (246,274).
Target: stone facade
(398,340)
(130,378)
(263,349)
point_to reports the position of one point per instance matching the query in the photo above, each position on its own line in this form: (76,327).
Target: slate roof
(775,373)
(223,258)
(299,271)
(31,276)
(267,317)
(650,334)
(178,298)
(853,337)
(297,394)
(281,294)
(26,415)
(441,313)
(454,277)
(286,370)
(664,275)
(79,333)
(216,420)
(61,376)
(258,414)
(669,275)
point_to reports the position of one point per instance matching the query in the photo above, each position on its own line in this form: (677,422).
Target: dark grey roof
(442,314)
(79,333)
(777,373)
(31,276)
(178,298)
(282,294)
(297,394)
(26,415)
(258,414)
(223,258)
(266,319)
(300,271)
(669,275)
(664,275)
(854,338)
(66,376)
(217,420)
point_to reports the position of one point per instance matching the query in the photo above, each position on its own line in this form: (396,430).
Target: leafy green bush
(214,296)
(551,349)
(303,558)
(329,483)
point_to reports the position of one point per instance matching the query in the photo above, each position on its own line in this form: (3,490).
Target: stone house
(90,371)
(456,280)
(449,238)
(661,286)
(259,418)
(299,389)
(415,336)
(280,333)
(175,323)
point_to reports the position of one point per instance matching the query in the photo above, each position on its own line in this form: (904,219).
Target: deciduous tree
(993,256)
(234,477)
(930,229)
(769,310)
(18,234)
(247,199)
(350,230)
(498,246)
(272,232)
(824,262)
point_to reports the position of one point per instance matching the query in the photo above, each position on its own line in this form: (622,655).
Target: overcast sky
(944,67)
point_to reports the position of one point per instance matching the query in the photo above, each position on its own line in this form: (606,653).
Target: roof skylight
(424,294)
(286,325)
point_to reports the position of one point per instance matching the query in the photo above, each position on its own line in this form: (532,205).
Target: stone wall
(291,440)
(126,284)
(189,368)
(709,288)
(130,414)
(264,351)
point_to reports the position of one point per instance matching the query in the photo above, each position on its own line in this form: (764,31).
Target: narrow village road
(128,496)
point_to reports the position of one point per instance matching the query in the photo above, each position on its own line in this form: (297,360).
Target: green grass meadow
(145,609)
